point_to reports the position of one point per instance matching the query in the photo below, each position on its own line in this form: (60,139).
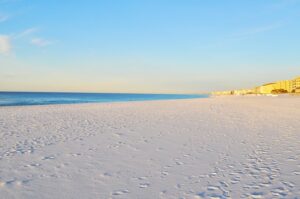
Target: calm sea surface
(43,98)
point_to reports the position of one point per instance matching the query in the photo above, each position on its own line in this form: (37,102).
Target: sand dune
(223,147)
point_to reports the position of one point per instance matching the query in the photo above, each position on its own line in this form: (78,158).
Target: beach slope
(220,147)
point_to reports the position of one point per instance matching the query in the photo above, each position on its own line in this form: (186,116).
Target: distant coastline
(278,87)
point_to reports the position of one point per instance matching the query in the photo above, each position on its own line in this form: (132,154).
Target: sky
(147,46)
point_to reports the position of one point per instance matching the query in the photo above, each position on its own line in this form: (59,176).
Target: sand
(220,147)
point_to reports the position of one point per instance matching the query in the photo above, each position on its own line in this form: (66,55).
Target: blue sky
(158,46)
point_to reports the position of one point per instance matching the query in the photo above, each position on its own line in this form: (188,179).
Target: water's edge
(48,98)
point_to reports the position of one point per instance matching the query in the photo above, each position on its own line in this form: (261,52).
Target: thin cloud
(26,32)
(40,42)
(8,76)
(5,44)
(278,5)
(261,29)
(8,1)
(3,18)
(255,31)
(247,33)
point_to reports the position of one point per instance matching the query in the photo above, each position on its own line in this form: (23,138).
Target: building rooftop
(268,84)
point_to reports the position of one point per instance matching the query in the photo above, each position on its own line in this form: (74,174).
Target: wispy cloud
(40,42)
(5,44)
(26,32)
(261,29)
(8,76)
(3,18)
(8,1)
(278,5)
(246,33)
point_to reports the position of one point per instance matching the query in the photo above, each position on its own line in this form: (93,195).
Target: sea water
(44,98)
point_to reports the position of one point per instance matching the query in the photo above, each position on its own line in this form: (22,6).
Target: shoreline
(158,100)
(98,103)
(46,98)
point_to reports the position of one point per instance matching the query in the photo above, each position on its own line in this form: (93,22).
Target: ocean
(45,98)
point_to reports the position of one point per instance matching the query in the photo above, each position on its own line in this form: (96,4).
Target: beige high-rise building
(266,88)
(285,85)
(296,85)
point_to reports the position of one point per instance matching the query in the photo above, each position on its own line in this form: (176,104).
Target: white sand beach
(220,147)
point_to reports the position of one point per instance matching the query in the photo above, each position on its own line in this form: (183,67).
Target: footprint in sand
(289,184)
(142,178)
(280,191)
(256,195)
(14,182)
(76,154)
(33,165)
(10,182)
(164,174)
(212,188)
(224,184)
(203,195)
(296,172)
(144,185)
(51,157)
(120,192)
(106,174)
(179,163)
(213,174)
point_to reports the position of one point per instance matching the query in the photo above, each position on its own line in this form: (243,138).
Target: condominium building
(266,88)
(243,92)
(284,86)
(296,85)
